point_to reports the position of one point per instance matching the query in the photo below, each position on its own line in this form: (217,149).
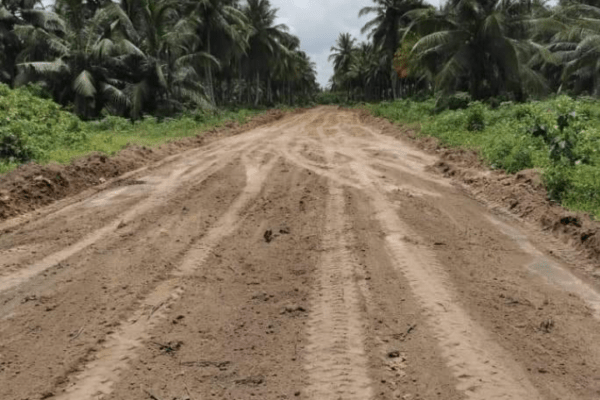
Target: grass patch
(36,129)
(560,136)
(111,135)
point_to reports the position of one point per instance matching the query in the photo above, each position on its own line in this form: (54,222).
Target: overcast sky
(319,22)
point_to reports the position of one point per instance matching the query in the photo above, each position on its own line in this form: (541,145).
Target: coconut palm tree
(153,56)
(219,20)
(27,32)
(83,59)
(266,42)
(385,28)
(575,41)
(477,46)
(342,55)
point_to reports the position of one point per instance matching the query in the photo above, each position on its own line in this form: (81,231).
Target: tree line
(130,57)
(490,49)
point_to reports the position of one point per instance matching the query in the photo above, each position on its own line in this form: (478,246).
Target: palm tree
(384,29)
(342,55)
(27,33)
(575,41)
(223,20)
(265,41)
(80,69)
(141,56)
(476,45)
(166,64)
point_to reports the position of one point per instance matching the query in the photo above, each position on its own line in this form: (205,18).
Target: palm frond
(438,38)
(115,96)
(138,95)
(44,67)
(45,19)
(84,84)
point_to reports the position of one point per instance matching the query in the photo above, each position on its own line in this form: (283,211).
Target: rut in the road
(336,359)
(482,369)
(160,193)
(100,375)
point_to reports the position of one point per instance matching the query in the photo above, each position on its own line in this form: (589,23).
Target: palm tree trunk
(211,94)
(240,83)
(257,88)
(269,90)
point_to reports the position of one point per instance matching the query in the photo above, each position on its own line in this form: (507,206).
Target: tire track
(160,195)
(481,367)
(550,271)
(335,357)
(100,374)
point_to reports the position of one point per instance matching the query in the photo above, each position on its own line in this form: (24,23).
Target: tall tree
(476,45)
(384,29)
(266,39)
(151,56)
(343,56)
(219,19)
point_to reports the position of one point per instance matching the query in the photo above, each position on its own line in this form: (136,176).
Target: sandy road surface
(311,258)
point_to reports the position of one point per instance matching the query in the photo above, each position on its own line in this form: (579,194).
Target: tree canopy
(488,48)
(130,57)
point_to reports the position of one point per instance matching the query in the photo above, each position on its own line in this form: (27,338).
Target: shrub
(456,101)
(37,129)
(557,182)
(14,149)
(476,118)
(330,98)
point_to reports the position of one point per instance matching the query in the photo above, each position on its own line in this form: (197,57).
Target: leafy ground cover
(559,136)
(36,129)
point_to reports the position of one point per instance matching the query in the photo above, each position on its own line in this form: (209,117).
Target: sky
(319,22)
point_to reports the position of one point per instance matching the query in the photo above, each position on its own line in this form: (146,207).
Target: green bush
(456,101)
(476,119)
(33,128)
(14,149)
(558,181)
(330,98)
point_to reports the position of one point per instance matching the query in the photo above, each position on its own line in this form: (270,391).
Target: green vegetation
(37,129)
(490,75)
(132,58)
(560,136)
(183,63)
(513,49)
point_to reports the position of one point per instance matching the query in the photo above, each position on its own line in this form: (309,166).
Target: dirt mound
(32,185)
(522,194)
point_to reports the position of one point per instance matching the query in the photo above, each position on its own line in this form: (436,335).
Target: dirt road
(311,258)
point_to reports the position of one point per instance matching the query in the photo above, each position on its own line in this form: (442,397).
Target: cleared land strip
(311,258)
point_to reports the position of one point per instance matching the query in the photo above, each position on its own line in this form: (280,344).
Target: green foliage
(559,136)
(330,98)
(30,125)
(36,129)
(159,57)
(475,118)
(456,101)
(14,149)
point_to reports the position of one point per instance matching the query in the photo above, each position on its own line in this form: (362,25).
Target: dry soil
(313,257)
